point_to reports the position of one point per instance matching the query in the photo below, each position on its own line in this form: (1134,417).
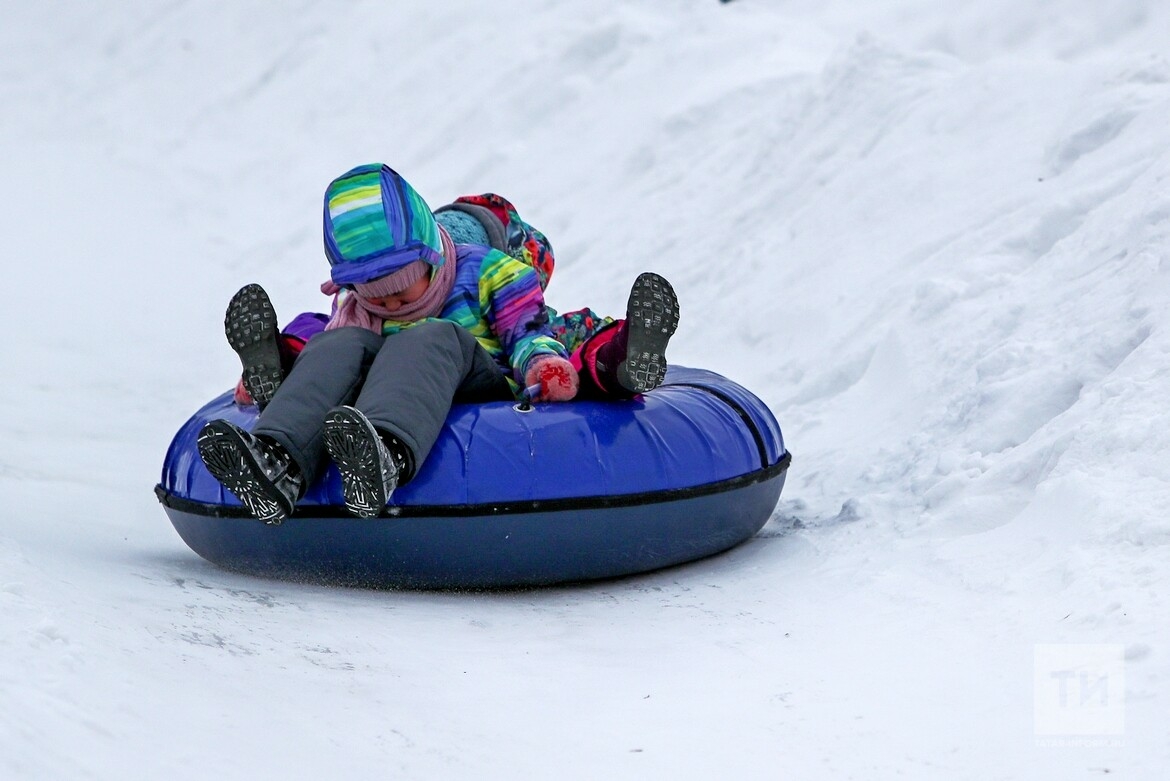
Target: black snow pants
(404,383)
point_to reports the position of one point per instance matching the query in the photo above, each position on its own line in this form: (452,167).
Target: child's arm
(513,304)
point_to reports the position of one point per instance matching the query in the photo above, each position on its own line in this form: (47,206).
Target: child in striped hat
(492,221)
(418,323)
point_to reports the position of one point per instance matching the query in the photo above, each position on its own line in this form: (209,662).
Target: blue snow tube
(508,497)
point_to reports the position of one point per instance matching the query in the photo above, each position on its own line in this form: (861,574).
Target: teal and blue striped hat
(376,224)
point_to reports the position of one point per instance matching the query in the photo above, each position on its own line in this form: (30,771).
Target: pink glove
(551,378)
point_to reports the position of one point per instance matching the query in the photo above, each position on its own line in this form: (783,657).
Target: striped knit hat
(375,225)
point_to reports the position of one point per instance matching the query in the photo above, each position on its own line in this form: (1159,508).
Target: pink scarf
(353,310)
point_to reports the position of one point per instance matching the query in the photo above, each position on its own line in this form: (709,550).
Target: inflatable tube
(514,497)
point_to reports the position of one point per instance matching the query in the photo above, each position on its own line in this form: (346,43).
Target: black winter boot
(260,473)
(369,469)
(250,326)
(636,355)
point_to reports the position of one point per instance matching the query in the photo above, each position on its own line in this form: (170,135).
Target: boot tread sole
(250,327)
(226,456)
(652,316)
(351,442)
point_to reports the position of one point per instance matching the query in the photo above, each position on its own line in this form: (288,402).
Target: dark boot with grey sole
(369,471)
(250,326)
(261,474)
(651,319)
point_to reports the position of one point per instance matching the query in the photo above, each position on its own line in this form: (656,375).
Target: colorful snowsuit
(491,323)
(509,233)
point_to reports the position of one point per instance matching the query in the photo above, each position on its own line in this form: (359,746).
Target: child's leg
(629,357)
(328,372)
(379,442)
(416,376)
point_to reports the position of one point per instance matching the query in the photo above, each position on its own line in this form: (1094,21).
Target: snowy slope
(933,236)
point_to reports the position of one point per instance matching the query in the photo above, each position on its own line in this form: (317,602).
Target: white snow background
(933,235)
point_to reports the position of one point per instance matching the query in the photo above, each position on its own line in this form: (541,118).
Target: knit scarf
(353,310)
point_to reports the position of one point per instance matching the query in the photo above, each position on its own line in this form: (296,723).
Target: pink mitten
(551,378)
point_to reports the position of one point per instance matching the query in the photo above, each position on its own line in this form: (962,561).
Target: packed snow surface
(933,236)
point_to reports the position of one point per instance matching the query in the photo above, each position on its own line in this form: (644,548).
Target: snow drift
(934,237)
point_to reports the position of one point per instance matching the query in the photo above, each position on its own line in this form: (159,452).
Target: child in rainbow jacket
(487,220)
(428,311)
